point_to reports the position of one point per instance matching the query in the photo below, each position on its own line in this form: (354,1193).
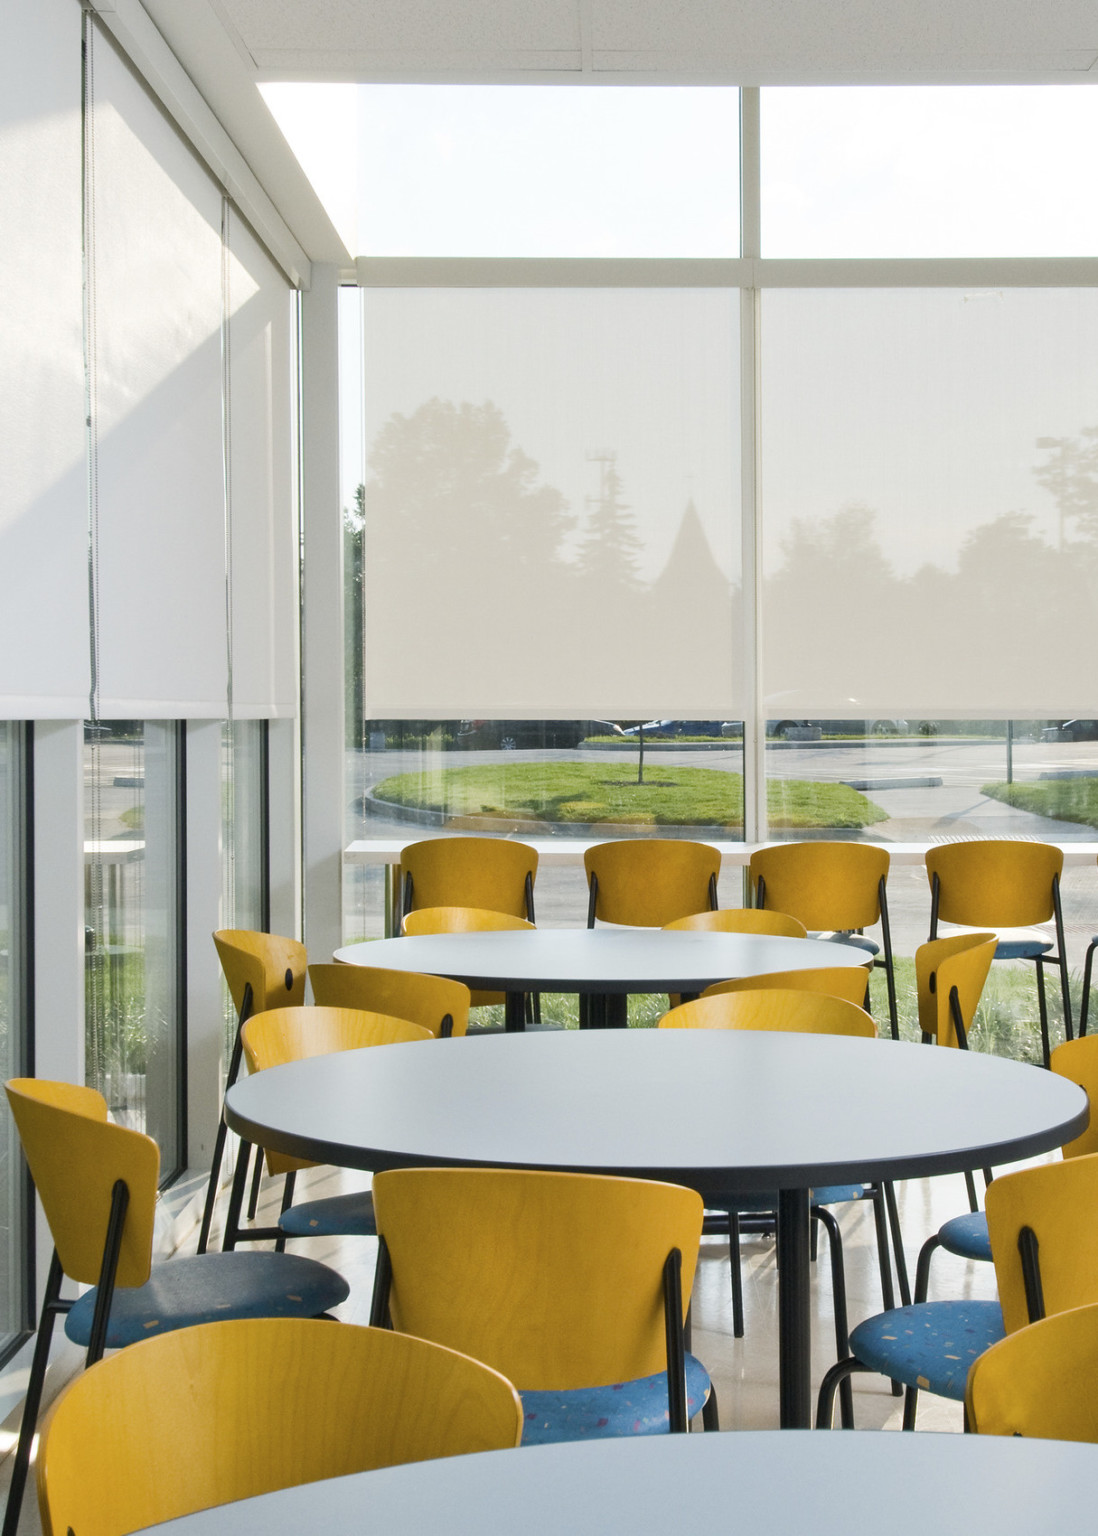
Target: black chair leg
(825,1402)
(911,1407)
(711,1419)
(1042,1004)
(922,1268)
(735,1263)
(970,1186)
(827,1219)
(51,1307)
(888,1296)
(257,1179)
(897,1243)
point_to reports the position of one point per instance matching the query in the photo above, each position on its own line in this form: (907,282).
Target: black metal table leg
(514,1012)
(794,1320)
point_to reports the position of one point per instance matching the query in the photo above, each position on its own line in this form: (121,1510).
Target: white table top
(599,959)
(780,1483)
(720,1111)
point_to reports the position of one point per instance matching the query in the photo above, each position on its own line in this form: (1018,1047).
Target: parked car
(508,735)
(1071,730)
(863,727)
(662,729)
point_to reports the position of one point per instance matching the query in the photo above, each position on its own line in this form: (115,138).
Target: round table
(723,1112)
(830,1484)
(601,963)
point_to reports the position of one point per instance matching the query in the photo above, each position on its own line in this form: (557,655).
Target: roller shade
(551,503)
(44,650)
(155,356)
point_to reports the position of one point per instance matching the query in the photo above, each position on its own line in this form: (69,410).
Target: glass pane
(928,171)
(930,503)
(13,1026)
(132,921)
(591,779)
(433,170)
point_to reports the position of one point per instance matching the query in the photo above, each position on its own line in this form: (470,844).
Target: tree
(610,550)
(1070,475)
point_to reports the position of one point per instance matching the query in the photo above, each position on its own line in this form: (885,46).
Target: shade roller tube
(262,603)
(155,360)
(44,650)
(551,503)
(930,503)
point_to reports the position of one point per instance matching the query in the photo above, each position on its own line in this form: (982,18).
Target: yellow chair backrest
(1057,1202)
(224,1411)
(460,920)
(1078,1061)
(75,1156)
(555,1279)
(962,960)
(825,884)
(647,882)
(426,1000)
(487,872)
(275,967)
(848,981)
(808,1013)
(743,920)
(1039,1381)
(995,882)
(292,1034)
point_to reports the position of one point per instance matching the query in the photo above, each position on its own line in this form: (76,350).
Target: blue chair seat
(967,1236)
(210,1287)
(604,1413)
(930,1345)
(337,1216)
(845,936)
(1022,946)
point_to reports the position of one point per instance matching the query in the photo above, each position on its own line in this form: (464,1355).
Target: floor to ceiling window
(15,1002)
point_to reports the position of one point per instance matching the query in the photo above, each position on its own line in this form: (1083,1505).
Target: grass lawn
(1062,799)
(607,792)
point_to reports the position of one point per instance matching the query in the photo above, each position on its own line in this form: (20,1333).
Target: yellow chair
(1045,1249)
(1005,883)
(949,978)
(494,873)
(97,1183)
(845,981)
(230,1410)
(802,1012)
(834,888)
(575,1286)
(282,1035)
(263,970)
(743,920)
(440,1005)
(465,920)
(647,882)
(1039,1381)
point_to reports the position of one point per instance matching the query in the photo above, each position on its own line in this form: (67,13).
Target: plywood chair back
(464,920)
(743,920)
(495,873)
(273,966)
(282,1035)
(440,1005)
(1077,1060)
(553,1278)
(1039,1381)
(810,1013)
(848,981)
(1055,1204)
(949,977)
(995,882)
(647,882)
(224,1411)
(76,1157)
(827,885)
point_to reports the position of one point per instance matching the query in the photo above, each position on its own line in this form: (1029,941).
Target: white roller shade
(930,502)
(158,478)
(552,504)
(263,588)
(44,651)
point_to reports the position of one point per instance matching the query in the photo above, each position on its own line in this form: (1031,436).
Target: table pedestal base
(794,1318)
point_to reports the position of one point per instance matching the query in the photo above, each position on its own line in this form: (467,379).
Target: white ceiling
(228,46)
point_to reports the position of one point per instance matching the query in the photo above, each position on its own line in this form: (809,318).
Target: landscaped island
(586,793)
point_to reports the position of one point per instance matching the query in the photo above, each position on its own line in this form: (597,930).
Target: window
(15,1002)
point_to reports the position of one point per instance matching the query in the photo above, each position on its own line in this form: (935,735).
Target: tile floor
(744,1370)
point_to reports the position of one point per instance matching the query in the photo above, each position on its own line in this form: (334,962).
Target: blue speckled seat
(929,1345)
(603,1413)
(967,1236)
(184,1292)
(336,1216)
